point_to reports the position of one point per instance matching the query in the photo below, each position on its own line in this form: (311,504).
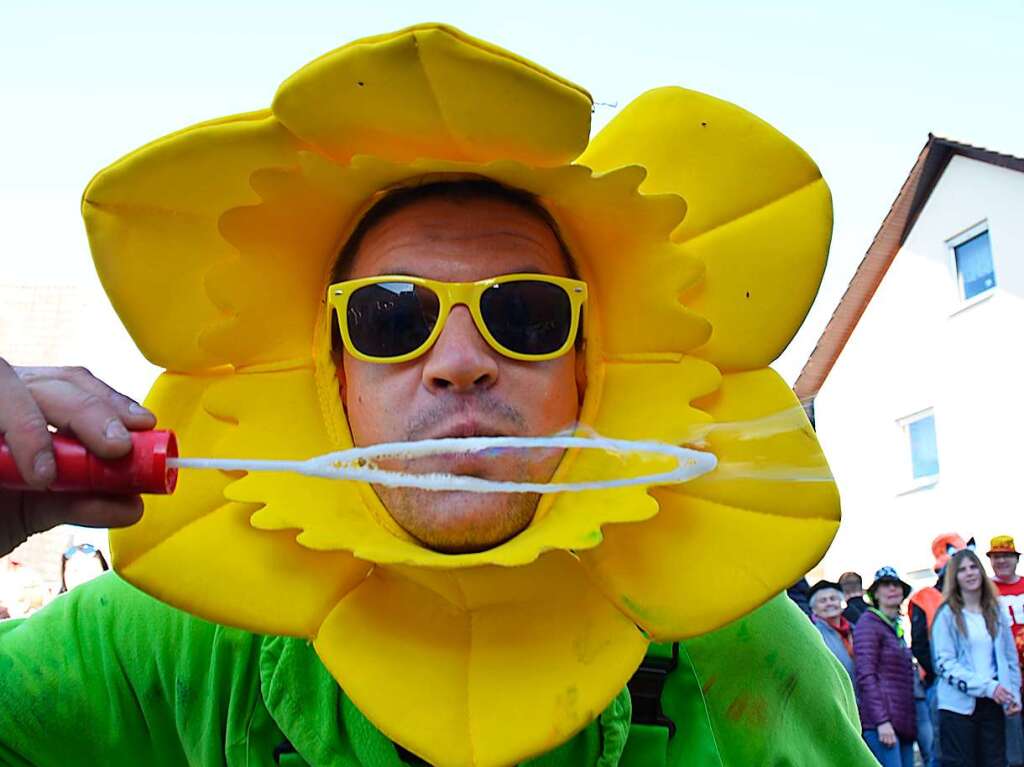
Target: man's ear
(581,372)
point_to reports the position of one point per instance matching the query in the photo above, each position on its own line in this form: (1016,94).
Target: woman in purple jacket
(885,674)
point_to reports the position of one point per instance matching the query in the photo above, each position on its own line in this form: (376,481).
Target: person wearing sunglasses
(429,260)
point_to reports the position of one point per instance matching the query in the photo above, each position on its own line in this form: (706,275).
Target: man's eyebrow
(528,269)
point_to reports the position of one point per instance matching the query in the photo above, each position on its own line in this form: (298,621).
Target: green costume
(109,676)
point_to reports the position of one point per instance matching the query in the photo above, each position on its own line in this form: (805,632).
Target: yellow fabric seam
(442,117)
(751,212)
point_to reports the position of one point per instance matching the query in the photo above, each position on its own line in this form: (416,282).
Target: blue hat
(889,574)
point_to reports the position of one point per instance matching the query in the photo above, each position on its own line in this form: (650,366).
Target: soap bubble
(614,462)
(361,463)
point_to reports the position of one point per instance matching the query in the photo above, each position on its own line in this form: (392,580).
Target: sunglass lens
(527,316)
(389,319)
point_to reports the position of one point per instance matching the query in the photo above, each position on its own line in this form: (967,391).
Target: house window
(924,451)
(975,273)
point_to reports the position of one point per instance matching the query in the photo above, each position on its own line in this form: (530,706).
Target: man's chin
(454,522)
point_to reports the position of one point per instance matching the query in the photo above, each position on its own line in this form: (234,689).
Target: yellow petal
(436,660)
(758,214)
(762,273)
(330,514)
(284,246)
(698,565)
(433,91)
(752,527)
(723,160)
(221,569)
(175,399)
(152,219)
(769,458)
(196,549)
(653,400)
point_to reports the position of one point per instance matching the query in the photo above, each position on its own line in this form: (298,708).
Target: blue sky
(859,86)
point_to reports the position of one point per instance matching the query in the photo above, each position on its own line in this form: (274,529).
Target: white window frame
(961,303)
(910,483)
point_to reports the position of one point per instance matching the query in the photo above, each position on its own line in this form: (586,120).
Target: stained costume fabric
(701,232)
(107,675)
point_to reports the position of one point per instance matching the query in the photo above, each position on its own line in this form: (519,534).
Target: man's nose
(460,360)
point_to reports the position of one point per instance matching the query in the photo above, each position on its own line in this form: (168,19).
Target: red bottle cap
(143,470)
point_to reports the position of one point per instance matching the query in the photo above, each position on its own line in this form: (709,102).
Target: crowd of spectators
(953,689)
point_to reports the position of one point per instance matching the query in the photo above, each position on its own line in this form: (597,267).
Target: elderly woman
(885,673)
(826,599)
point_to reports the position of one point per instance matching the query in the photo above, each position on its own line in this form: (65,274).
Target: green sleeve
(107,675)
(763,690)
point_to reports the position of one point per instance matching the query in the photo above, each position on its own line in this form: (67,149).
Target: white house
(917,383)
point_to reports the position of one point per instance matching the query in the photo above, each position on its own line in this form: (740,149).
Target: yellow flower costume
(215,245)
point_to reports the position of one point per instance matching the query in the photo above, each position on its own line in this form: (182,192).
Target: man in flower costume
(696,234)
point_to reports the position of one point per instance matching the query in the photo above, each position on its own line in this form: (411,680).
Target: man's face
(461,387)
(1004,566)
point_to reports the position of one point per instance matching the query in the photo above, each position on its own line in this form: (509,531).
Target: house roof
(898,222)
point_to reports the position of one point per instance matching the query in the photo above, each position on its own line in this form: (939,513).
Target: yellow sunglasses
(396,318)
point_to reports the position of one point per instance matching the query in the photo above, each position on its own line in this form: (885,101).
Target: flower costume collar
(215,245)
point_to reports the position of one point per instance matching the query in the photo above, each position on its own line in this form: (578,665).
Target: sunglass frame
(452,294)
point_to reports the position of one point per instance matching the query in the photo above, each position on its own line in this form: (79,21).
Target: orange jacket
(928,601)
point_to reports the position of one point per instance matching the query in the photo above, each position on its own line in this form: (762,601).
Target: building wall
(914,350)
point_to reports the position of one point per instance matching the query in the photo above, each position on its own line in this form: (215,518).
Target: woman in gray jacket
(826,600)
(976,664)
